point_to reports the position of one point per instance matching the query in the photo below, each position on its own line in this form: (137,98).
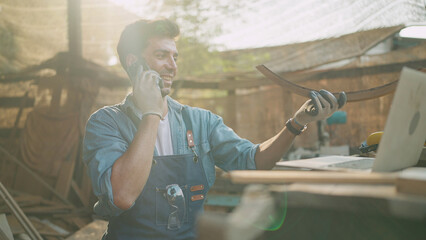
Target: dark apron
(152,213)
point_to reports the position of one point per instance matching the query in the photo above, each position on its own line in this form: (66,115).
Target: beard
(166,88)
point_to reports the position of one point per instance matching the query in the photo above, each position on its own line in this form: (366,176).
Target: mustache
(165,72)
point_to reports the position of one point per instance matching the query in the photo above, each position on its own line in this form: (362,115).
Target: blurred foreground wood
(94,230)
(270,177)
(310,205)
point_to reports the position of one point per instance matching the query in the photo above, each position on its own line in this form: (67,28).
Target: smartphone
(136,69)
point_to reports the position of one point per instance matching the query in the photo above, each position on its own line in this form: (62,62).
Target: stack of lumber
(52,220)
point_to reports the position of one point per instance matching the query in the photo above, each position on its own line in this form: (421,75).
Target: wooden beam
(16,102)
(74,27)
(353,72)
(6,132)
(13,78)
(196,84)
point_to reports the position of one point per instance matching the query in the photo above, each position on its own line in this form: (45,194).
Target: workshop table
(347,211)
(323,211)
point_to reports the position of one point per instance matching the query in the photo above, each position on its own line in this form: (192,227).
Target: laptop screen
(405,130)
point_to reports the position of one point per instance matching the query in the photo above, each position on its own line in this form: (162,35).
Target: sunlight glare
(413,32)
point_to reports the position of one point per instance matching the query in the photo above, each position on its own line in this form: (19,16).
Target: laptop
(403,138)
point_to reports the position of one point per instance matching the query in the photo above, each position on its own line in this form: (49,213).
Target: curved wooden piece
(351,96)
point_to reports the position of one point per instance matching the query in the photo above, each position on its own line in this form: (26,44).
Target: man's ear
(130,59)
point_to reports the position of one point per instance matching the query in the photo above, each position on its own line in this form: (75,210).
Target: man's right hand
(147,94)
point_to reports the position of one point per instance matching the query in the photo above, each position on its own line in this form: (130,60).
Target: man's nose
(171,64)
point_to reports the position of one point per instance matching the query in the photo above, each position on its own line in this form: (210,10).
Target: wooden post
(55,102)
(74,28)
(288,104)
(231,107)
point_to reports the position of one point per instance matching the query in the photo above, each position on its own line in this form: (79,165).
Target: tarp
(49,139)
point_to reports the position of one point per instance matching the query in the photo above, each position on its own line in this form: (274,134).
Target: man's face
(161,55)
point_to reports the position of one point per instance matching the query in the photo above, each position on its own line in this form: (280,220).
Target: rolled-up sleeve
(102,146)
(229,151)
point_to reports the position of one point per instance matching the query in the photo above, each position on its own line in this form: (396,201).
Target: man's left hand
(321,106)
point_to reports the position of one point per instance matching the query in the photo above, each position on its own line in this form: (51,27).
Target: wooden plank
(25,201)
(63,184)
(13,159)
(19,214)
(412,181)
(16,102)
(94,230)
(5,232)
(41,226)
(43,210)
(276,177)
(79,222)
(7,171)
(83,198)
(15,128)
(57,229)
(344,196)
(81,213)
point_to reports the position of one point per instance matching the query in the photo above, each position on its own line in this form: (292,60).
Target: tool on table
(372,142)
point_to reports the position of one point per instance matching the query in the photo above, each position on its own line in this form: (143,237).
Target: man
(152,159)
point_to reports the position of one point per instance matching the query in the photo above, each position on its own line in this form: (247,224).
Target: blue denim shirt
(109,132)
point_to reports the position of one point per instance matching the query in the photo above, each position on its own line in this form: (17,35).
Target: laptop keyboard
(356,164)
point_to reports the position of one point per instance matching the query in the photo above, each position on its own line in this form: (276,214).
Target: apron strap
(189,135)
(185,116)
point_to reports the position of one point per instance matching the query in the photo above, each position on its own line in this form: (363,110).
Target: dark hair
(135,36)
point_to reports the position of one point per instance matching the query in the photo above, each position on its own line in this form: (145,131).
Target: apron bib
(170,201)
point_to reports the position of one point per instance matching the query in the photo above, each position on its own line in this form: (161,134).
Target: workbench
(348,211)
(328,211)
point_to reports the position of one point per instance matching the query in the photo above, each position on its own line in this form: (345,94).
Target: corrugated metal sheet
(296,57)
